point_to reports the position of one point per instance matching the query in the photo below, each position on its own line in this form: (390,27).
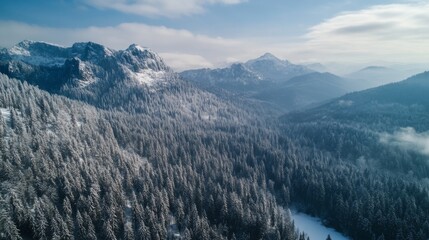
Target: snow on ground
(87,74)
(173,230)
(314,228)
(149,76)
(79,123)
(5,112)
(140,48)
(16,50)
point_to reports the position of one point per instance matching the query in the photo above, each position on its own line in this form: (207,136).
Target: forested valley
(119,160)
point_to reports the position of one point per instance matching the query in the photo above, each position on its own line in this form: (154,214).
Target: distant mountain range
(374,76)
(265,68)
(278,83)
(305,90)
(388,105)
(92,72)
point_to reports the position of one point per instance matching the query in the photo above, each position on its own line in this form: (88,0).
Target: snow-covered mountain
(237,77)
(134,80)
(54,67)
(278,83)
(265,68)
(269,67)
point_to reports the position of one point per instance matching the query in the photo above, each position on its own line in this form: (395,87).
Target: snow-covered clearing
(149,76)
(5,112)
(314,228)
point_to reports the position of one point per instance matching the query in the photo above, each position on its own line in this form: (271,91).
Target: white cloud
(408,139)
(182,49)
(395,32)
(182,61)
(165,8)
(392,33)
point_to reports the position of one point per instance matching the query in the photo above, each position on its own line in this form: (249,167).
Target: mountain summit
(268,57)
(270,67)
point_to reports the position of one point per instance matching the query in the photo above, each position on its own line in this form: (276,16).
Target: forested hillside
(376,166)
(134,152)
(70,171)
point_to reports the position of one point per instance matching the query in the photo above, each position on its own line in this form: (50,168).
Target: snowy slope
(314,228)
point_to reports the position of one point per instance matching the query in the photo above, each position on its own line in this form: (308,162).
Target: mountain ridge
(89,61)
(379,107)
(284,92)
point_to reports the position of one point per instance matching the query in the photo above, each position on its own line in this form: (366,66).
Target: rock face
(56,68)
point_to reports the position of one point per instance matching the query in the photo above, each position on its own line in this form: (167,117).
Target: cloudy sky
(212,33)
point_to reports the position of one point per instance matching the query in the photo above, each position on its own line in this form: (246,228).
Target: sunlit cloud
(389,32)
(182,61)
(165,8)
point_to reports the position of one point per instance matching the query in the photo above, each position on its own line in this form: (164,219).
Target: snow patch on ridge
(149,77)
(17,50)
(22,52)
(140,48)
(87,74)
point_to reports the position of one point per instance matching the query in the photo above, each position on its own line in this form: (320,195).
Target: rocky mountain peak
(138,58)
(83,64)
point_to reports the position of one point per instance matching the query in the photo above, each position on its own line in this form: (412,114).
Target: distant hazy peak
(269,67)
(267,57)
(374,68)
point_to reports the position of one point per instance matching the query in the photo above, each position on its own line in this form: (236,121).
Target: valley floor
(314,228)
